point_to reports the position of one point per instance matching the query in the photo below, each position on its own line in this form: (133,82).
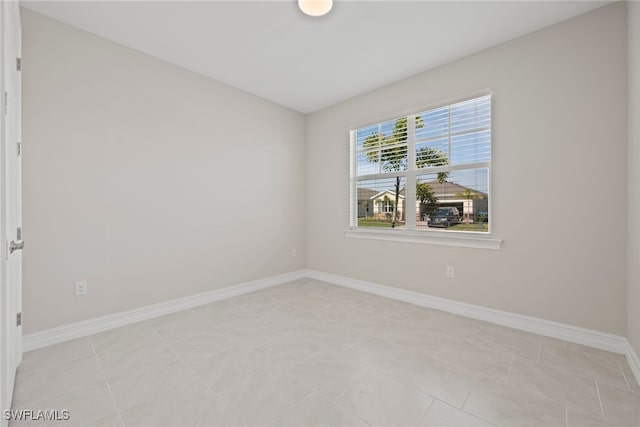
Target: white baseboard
(634,361)
(574,334)
(88,327)
(601,340)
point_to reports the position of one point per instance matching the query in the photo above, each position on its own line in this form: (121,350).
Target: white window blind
(425,171)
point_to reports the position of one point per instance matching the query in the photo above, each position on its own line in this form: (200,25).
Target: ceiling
(270,49)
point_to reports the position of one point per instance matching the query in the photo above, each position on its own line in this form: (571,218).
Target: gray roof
(366,193)
(447,187)
(440,189)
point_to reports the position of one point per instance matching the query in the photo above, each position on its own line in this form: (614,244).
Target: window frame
(409,233)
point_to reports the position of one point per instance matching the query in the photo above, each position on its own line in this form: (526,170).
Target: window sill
(430,238)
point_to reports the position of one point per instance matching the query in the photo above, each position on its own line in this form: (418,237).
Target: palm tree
(391,152)
(427,197)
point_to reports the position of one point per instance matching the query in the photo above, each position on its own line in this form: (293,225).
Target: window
(427,171)
(387,206)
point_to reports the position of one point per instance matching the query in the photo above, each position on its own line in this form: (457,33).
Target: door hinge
(19,64)
(19,233)
(19,148)
(19,319)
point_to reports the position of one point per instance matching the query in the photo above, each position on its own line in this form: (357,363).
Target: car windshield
(443,212)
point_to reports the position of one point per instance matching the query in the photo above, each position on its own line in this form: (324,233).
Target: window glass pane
(394,131)
(376,200)
(470,115)
(471,147)
(384,146)
(432,124)
(453,201)
(363,133)
(367,164)
(432,153)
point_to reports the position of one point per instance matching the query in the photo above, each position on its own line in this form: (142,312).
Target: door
(11,206)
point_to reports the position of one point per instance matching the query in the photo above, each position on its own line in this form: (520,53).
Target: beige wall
(147,180)
(558,179)
(129,163)
(633,290)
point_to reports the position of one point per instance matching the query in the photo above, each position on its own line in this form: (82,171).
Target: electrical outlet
(82,288)
(294,252)
(450,272)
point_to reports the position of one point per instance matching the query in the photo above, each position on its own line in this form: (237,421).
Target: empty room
(320,213)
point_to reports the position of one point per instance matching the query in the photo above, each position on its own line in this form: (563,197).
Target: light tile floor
(308,353)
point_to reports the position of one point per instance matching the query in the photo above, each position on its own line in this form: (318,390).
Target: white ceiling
(270,49)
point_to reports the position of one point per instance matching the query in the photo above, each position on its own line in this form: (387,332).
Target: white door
(11,209)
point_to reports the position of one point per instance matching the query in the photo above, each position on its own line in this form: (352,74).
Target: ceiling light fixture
(315,7)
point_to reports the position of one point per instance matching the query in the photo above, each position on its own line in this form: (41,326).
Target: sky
(470,142)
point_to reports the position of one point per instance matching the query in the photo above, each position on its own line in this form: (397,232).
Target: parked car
(444,217)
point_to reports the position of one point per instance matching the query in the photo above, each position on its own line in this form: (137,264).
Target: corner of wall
(633,175)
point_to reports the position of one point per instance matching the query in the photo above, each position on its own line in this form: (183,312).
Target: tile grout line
(426,411)
(567,404)
(56,366)
(464,412)
(539,352)
(351,386)
(170,346)
(106,380)
(340,407)
(477,334)
(198,376)
(600,400)
(467,398)
(60,393)
(320,396)
(582,375)
(332,402)
(624,376)
(506,377)
(335,401)
(313,391)
(71,359)
(529,388)
(469,392)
